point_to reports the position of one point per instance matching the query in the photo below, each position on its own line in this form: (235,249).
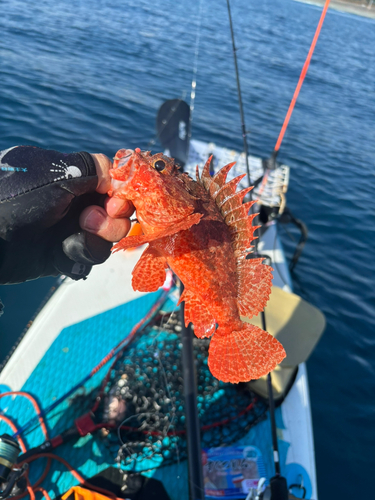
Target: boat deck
(80,324)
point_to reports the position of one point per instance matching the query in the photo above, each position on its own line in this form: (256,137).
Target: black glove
(42,194)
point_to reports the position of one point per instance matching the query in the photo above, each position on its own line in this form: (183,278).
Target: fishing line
(277,478)
(173,408)
(195,68)
(291,237)
(300,82)
(126,420)
(172,111)
(162,324)
(170,315)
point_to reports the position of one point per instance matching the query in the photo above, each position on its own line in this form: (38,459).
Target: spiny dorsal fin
(234,201)
(206,178)
(253,277)
(227,190)
(238,213)
(230,204)
(218,180)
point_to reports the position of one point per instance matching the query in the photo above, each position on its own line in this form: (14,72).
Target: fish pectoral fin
(254,286)
(135,241)
(243,355)
(149,273)
(197,313)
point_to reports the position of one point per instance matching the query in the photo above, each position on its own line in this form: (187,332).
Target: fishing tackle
(9,451)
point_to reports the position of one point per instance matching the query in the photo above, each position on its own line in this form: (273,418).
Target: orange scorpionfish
(202,231)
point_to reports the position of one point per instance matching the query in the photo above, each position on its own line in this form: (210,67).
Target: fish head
(153,184)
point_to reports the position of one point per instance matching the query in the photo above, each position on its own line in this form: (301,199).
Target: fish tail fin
(243,355)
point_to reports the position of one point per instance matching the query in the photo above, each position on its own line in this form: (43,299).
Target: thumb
(103,165)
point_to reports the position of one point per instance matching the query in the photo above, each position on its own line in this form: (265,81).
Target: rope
(30,488)
(35,405)
(115,351)
(76,475)
(301,78)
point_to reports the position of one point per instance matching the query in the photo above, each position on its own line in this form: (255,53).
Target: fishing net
(145,406)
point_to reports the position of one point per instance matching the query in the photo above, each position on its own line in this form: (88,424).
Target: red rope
(76,474)
(302,77)
(35,405)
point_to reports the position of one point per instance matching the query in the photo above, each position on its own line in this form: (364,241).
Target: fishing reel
(9,475)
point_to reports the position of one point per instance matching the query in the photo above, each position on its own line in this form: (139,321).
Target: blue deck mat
(73,354)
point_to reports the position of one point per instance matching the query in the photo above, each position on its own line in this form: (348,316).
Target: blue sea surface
(79,75)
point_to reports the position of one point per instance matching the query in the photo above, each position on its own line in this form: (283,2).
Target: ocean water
(79,75)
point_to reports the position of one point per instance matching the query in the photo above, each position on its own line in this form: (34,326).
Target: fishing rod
(278,484)
(193,438)
(279,489)
(271,162)
(243,125)
(196,482)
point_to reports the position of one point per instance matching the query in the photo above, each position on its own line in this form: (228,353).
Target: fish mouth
(124,158)
(122,172)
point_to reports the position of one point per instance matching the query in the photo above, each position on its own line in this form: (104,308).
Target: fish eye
(159,165)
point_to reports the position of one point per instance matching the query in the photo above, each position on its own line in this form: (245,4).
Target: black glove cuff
(88,160)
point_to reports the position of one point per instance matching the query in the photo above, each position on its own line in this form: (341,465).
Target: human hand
(55,216)
(111,222)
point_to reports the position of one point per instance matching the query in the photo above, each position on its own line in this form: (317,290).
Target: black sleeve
(42,193)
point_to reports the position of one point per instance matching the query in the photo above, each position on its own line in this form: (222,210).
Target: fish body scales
(202,231)
(202,257)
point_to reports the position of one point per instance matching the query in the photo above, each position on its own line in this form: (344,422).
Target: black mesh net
(144,399)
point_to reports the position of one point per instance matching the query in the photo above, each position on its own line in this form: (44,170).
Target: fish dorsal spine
(254,279)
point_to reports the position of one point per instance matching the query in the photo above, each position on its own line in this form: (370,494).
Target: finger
(95,220)
(119,208)
(103,165)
